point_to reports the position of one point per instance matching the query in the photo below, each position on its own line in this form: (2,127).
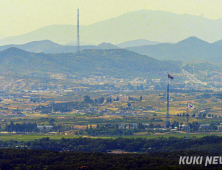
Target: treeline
(100,100)
(116,129)
(106,130)
(24,127)
(62,107)
(131,87)
(210,144)
(12,159)
(32,127)
(135,99)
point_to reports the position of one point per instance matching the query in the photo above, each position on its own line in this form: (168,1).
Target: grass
(31,137)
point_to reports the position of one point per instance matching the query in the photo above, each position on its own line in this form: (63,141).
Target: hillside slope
(116,63)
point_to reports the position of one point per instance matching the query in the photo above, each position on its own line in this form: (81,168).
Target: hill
(151,25)
(48,46)
(135,43)
(14,60)
(34,46)
(116,63)
(107,46)
(191,48)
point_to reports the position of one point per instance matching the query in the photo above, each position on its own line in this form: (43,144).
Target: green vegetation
(143,145)
(40,159)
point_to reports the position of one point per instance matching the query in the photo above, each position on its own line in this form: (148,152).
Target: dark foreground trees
(11,159)
(210,144)
(139,153)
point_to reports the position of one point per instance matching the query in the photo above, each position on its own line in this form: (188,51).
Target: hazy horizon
(23,16)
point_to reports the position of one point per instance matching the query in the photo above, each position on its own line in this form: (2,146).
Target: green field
(31,137)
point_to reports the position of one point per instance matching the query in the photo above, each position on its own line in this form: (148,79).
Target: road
(192,78)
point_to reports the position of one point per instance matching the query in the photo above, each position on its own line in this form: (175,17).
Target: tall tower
(77,46)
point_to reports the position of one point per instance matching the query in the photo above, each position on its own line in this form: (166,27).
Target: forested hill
(116,63)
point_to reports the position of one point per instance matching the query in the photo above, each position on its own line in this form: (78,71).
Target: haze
(22,16)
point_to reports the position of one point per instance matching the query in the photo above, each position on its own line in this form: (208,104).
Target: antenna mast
(78,31)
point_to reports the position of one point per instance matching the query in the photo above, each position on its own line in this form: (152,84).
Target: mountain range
(160,26)
(135,43)
(188,49)
(48,46)
(191,48)
(116,63)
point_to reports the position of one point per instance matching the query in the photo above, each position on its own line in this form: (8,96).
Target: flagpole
(168,116)
(187,135)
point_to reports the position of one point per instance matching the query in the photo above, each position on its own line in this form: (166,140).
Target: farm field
(32,137)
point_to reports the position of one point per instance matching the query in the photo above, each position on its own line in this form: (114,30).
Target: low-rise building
(134,125)
(219,128)
(41,127)
(205,126)
(123,126)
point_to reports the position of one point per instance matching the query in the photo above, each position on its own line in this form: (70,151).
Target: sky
(23,16)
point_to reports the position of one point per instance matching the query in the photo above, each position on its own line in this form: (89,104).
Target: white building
(219,128)
(45,127)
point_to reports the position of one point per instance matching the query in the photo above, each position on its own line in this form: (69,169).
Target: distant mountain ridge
(191,48)
(107,46)
(34,46)
(160,26)
(48,46)
(135,43)
(116,63)
(188,49)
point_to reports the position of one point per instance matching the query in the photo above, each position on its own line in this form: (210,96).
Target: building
(219,128)
(44,127)
(204,126)
(134,126)
(123,126)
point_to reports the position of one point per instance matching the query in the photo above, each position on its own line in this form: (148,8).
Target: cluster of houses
(46,127)
(130,126)
(208,127)
(99,111)
(184,127)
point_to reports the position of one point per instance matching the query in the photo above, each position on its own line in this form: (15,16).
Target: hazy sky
(22,16)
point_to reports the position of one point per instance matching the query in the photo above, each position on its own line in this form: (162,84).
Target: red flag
(169,76)
(191,106)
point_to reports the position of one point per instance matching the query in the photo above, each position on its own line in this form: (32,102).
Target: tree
(87,99)
(100,100)
(51,121)
(151,125)
(109,100)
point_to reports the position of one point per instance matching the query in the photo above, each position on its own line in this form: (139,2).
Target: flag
(190,106)
(169,76)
